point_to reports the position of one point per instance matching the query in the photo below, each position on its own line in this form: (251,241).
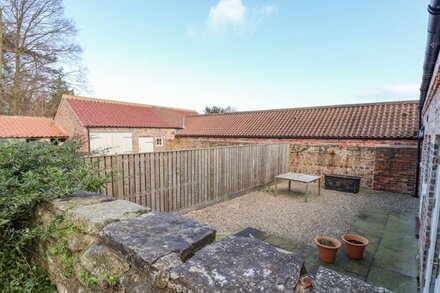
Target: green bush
(31,173)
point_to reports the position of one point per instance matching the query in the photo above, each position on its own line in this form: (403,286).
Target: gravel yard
(287,215)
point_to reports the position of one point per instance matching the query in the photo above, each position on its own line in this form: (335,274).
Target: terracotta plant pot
(327,254)
(355,245)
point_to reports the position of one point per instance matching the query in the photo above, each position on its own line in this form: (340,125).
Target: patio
(287,215)
(286,221)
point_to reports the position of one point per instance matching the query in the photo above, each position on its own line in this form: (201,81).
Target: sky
(251,54)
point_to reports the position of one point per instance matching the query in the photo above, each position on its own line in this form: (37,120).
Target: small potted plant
(355,245)
(327,247)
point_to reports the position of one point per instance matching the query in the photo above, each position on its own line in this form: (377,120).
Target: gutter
(432,48)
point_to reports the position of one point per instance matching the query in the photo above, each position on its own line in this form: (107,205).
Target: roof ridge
(312,107)
(99,100)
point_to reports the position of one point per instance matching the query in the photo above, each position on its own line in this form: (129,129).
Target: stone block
(92,218)
(80,241)
(329,281)
(239,264)
(252,233)
(77,200)
(148,238)
(100,260)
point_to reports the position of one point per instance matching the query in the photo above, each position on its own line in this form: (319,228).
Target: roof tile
(106,113)
(376,120)
(29,127)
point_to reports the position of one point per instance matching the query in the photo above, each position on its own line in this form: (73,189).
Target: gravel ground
(287,215)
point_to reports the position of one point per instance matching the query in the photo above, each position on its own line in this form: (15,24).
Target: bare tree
(39,51)
(218,109)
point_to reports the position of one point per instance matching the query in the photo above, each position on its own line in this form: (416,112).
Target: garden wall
(388,165)
(381,167)
(185,144)
(98,244)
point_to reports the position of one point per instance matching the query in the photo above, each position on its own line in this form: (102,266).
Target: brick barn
(376,141)
(119,127)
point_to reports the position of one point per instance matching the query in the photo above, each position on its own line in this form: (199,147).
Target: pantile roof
(391,120)
(106,113)
(29,127)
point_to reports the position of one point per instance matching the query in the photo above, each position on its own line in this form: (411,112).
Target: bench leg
(319,187)
(307,191)
(289,184)
(276,189)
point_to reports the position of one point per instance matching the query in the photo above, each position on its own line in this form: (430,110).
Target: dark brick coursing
(395,169)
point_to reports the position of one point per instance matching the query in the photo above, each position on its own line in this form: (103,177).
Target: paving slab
(367,229)
(400,242)
(312,264)
(288,245)
(239,264)
(400,225)
(92,218)
(329,281)
(396,261)
(358,267)
(374,217)
(376,211)
(146,239)
(391,280)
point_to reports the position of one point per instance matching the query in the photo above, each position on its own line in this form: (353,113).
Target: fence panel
(178,180)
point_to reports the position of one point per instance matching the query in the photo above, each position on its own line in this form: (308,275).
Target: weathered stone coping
(238,264)
(146,239)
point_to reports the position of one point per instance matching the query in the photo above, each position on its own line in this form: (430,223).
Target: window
(159,141)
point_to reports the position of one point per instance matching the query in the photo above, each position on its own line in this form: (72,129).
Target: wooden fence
(180,180)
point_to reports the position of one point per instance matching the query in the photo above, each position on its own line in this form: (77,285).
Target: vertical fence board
(175,180)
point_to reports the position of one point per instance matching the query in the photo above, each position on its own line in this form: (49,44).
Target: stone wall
(118,246)
(98,244)
(337,159)
(381,167)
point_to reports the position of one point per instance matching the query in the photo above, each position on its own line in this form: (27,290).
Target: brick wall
(338,159)
(395,169)
(67,121)
(310,141)
(429,167)
(182,144)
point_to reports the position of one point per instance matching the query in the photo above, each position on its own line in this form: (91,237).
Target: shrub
(31,173)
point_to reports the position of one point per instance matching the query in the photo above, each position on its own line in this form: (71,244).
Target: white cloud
(226,13)
(232,16)
(391,92)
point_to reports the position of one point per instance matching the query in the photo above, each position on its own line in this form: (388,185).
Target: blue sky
(251,54)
